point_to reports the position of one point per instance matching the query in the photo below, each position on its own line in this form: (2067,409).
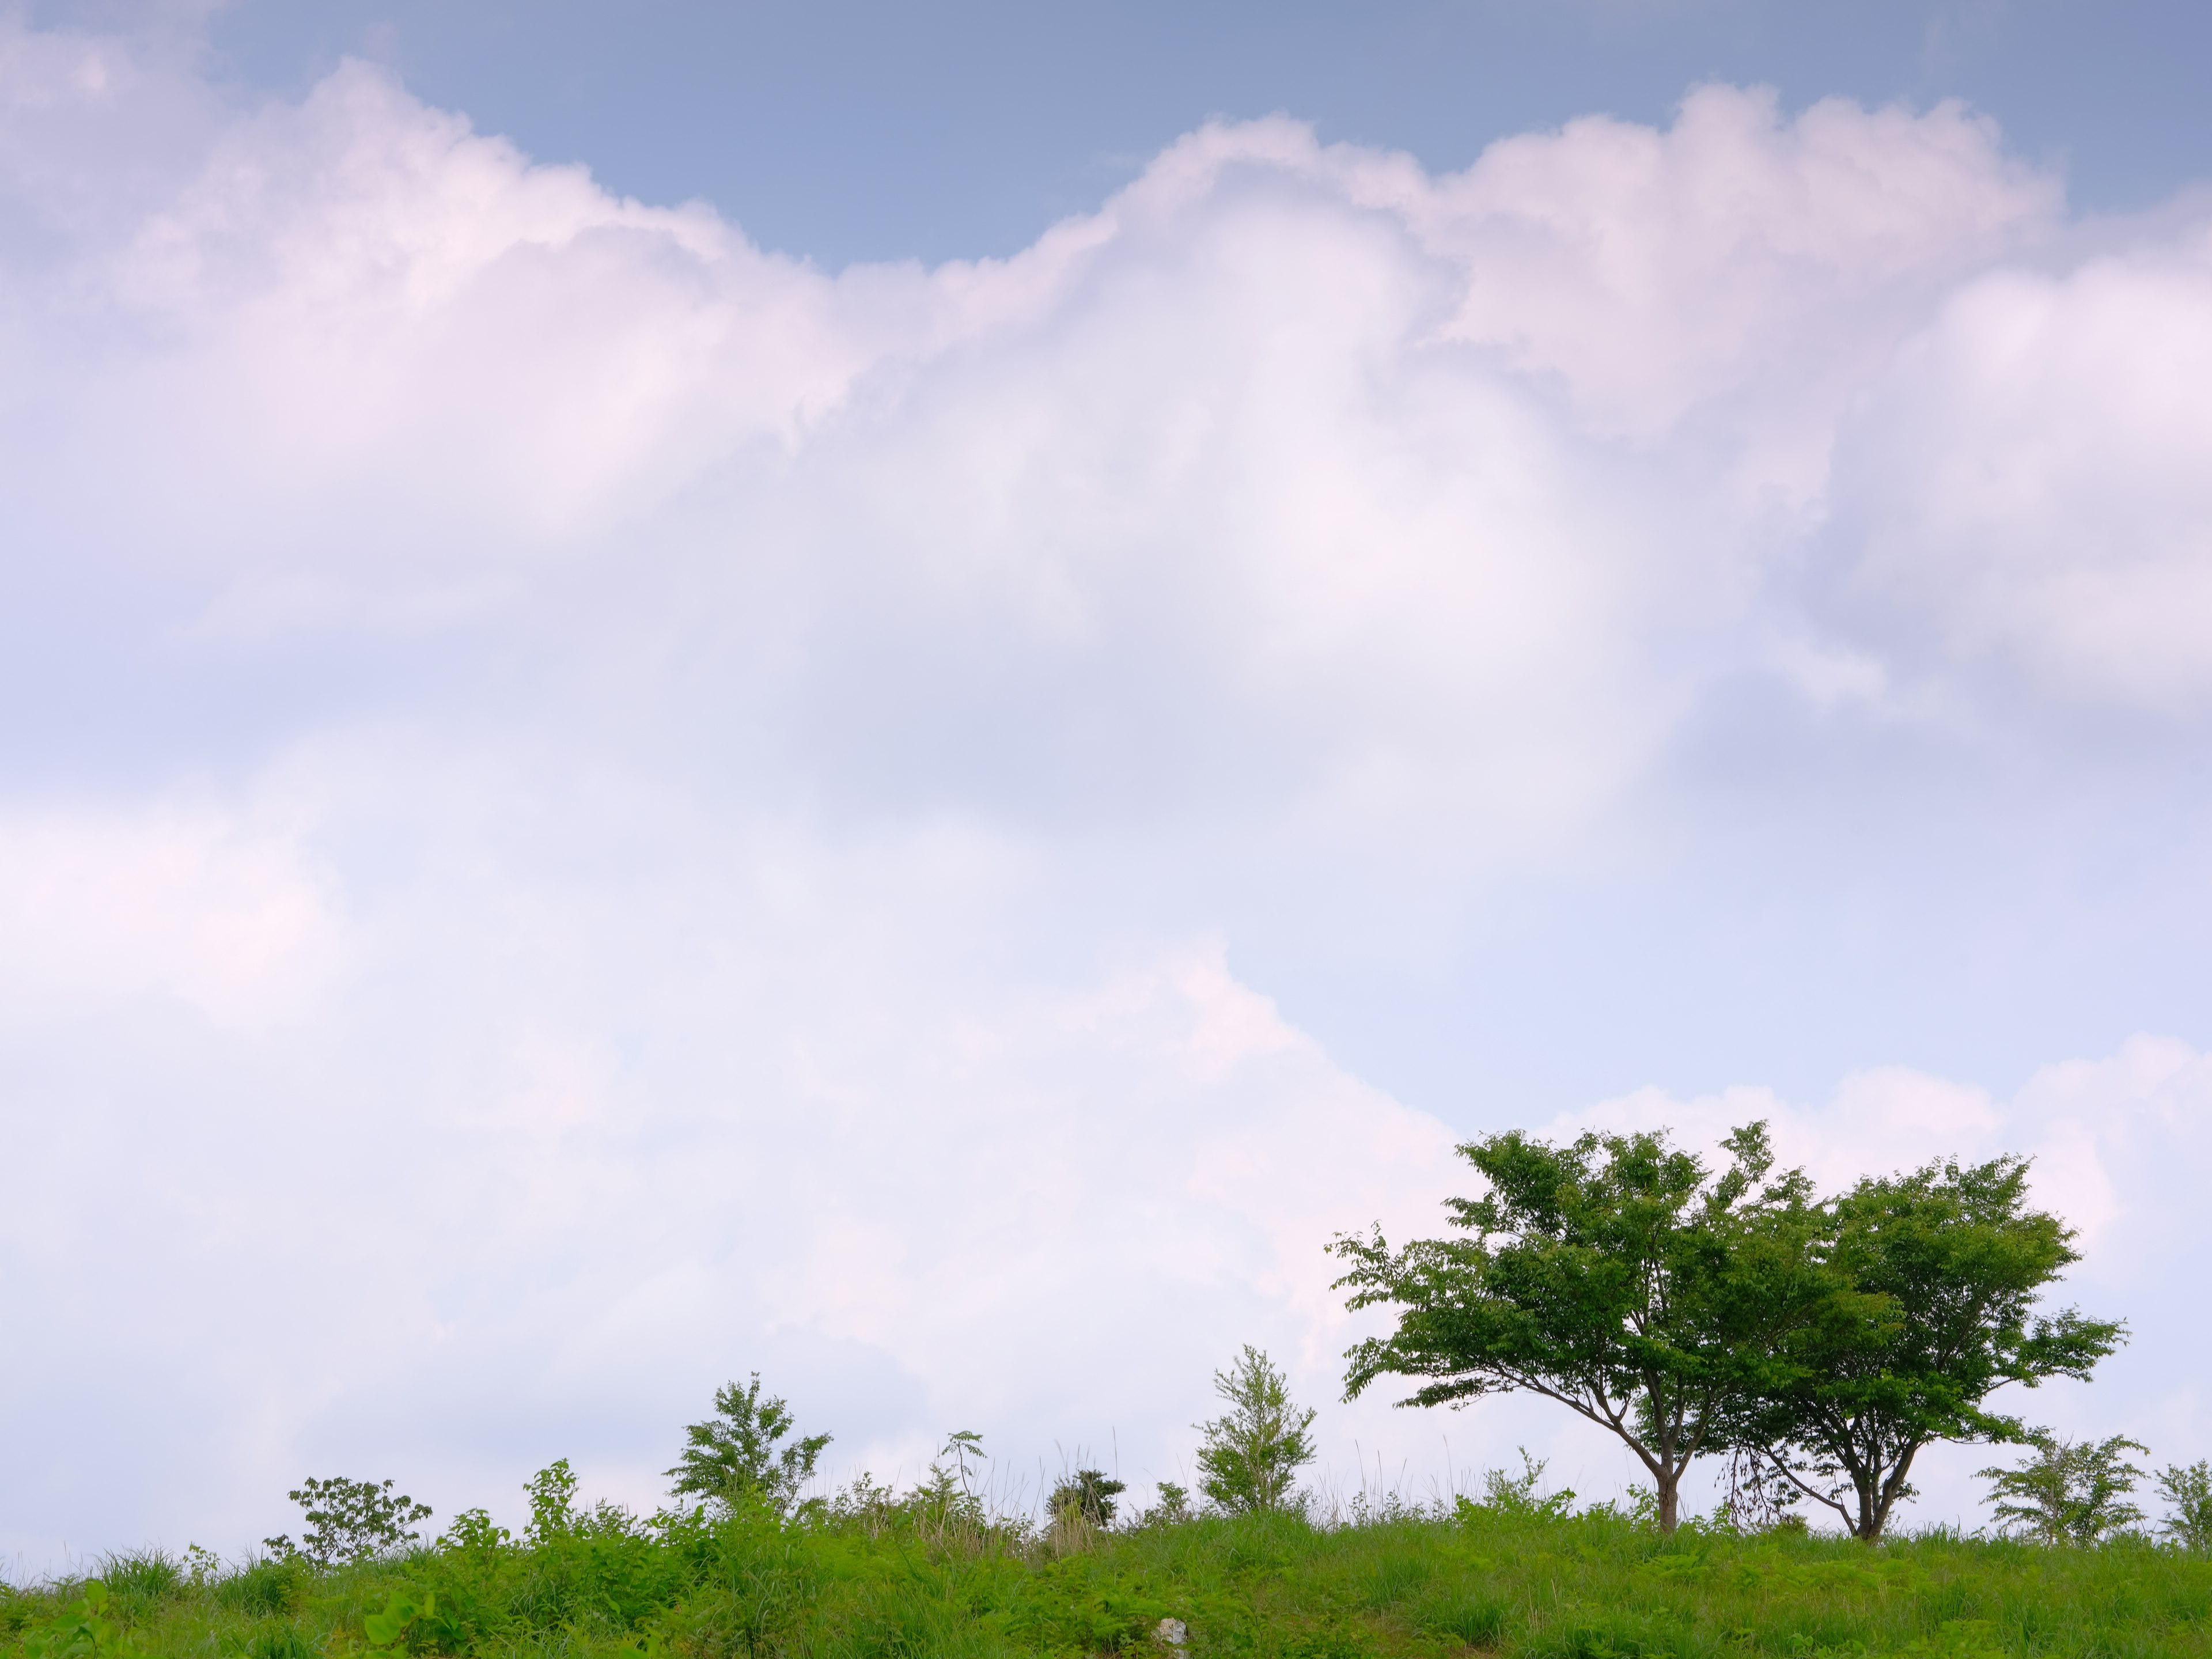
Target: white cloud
(1657,271)
(2027,486)
(186,901)
(659,809)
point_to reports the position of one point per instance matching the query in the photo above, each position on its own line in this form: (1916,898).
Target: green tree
(2189,1491)
(552,1494)
(1616,1275)
(1934,1277)
(1252,1453)
(1088,1493)
(2069,1492)
(351,1521)
(734,1457)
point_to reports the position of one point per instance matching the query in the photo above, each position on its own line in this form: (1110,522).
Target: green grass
(885,1582)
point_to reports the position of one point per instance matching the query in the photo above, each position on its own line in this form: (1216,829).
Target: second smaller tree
(1937,1272)
(2069,1491)
(1253,1453)
(734,1455)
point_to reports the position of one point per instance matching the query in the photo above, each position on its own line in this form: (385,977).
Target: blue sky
(851,131)
(905,700)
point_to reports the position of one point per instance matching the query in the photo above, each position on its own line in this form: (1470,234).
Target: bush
(1251,1454)
(2068,1491)
(351,1521)
(1088,1494)
(2190,1492)
(733,1456)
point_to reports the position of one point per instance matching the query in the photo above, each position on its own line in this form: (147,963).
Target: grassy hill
(883,1577)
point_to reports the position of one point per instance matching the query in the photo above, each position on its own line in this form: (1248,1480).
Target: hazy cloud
(595,808)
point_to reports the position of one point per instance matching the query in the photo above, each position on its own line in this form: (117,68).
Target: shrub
(1088,1493)
(81,1630)
(472,1533)
(552,1493)
(2068,1491)
(1515,1495)
(2190,1492)
(1252,1454)
(733,1454)
(351,1521)
(1173,1507)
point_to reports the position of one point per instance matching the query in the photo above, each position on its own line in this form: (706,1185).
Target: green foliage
(1253,1452)
(2188,1490)
(946,1505)
(262,1588)
(284,1642)
(552,1494)
(472,1532)
(412,1622)
(1615,1275)
(351,1521)
(857,1579)
(1932,1279)
(1170,1507)
(1088,1494)
(139,1581)
(81,1630)
(960,1445)
(2068,1491)
(1515,1496)
(734,1456)
(1465,1615)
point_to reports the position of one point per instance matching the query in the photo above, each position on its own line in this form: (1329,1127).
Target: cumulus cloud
(181,901)
(2025,488)
(605,807)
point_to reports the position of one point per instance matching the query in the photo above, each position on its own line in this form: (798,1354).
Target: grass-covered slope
(891,1582)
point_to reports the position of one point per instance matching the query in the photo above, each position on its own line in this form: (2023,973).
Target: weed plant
(932,1574)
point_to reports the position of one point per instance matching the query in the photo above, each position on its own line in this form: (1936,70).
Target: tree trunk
(1885,1498)
(1868,1530)
(1670,1499)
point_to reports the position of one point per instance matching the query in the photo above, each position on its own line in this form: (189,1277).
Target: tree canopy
(734,1455)
(1616,1274)
(1823,1343)
(1935,1275)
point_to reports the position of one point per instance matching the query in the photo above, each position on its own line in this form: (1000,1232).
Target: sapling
(351,1521)
(2068,1491)
(2189,1490)
(1251,1454)
(734,1455)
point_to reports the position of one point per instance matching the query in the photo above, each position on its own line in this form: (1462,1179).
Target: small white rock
(1170,1631)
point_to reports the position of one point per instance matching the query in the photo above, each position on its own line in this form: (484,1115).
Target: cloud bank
(590,807)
